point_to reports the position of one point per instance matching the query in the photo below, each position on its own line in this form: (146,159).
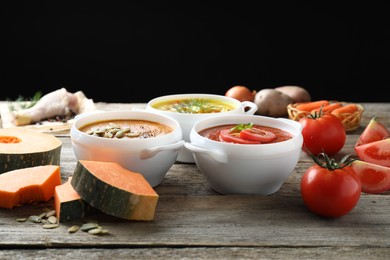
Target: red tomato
(255,134)
(330,192)
(322,132)
(374,178)
(227,136)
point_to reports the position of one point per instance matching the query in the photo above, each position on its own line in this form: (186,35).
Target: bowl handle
(252,107)
(218,156)
(148,153)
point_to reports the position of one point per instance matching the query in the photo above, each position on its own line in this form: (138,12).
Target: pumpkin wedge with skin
(22,148)
(68,203)
(115,190)
(28,185)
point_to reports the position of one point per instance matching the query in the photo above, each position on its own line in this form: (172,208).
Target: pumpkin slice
(68,204)
(22,148)
(115,190)
(28,185)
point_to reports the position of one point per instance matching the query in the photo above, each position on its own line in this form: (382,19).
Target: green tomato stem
(324,161)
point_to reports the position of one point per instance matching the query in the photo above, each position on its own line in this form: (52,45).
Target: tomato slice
(256,134)
(377,152)
(226,136)
(374,131)
(374,178)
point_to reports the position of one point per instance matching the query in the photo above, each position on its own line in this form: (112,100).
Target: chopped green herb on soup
(194,106)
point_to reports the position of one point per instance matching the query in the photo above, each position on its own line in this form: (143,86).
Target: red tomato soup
(246,134)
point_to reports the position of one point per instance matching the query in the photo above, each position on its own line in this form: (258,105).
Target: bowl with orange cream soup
(140,141)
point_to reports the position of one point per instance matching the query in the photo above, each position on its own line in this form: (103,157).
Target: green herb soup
(194,106)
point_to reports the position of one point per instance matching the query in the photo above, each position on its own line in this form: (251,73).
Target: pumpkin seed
(52,220)
(108,135)
(50,213)
(95,231)
(114,131)
(50,226)
(126,129)
(42,215)
(88,226)
(104,231)
(132,134)
(35,219)
(73,229)
(21,219)
(101,130)
(119,134)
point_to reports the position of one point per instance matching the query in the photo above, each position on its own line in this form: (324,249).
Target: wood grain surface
(192,221)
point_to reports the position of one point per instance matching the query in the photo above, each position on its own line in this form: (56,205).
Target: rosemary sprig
(23,103)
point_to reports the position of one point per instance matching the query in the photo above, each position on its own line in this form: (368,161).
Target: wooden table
(193,221)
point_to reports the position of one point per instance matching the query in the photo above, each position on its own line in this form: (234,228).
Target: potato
(297,94)
(271,102)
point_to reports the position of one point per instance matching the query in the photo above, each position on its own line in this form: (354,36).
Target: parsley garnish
(240,127)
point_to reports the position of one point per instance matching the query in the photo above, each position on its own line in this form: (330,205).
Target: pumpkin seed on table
(52,220)
(50,226)
(88,226)
(35,219)
(93,228)
(97,231)
(50,213)
(73,229)
(42,215)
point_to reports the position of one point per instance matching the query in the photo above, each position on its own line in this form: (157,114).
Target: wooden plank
(318,253)
(215,220)
(194,221)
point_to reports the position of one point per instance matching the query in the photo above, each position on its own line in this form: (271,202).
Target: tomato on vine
(329,188)
(322,132)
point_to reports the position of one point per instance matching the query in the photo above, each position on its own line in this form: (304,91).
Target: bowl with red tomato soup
(246,154)
(190,108)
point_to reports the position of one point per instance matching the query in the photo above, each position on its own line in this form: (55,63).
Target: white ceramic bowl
(152,157)
(246,168)
(187,120)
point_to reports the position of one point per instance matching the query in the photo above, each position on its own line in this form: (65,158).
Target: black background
(133,51)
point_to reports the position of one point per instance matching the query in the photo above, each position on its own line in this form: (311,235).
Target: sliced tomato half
(256,134)
(377,152)
(374,131)
(374,178)
(227,136)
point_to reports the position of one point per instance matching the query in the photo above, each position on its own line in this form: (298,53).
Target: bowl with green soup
(188,109)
